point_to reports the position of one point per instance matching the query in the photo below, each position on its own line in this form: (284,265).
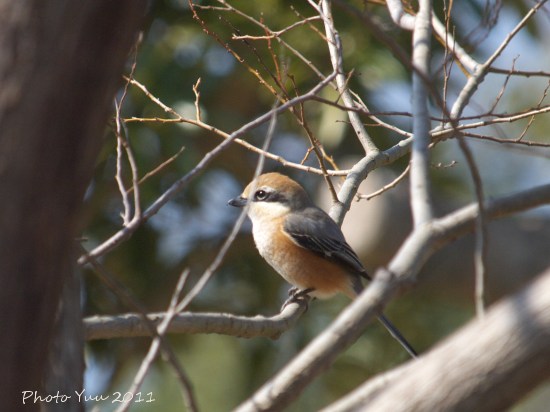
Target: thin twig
(480,252)
(481,71)
(124,233)
(151,355)
(336,58)
(161,166)
(276,33)
(387,187)
(127,297)
(127,212)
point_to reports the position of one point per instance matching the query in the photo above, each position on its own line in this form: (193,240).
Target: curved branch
(399,16)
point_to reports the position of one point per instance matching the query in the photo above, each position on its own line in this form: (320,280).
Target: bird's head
(272,195)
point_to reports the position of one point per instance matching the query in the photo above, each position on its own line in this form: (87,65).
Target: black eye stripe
(267,195)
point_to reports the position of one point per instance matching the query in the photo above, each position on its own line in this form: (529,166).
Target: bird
(303,243)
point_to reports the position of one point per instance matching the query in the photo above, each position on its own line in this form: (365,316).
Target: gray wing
(314,230)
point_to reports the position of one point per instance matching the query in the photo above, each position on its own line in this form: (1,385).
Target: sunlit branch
(131,325)
(420,186)
(399,16)
(480,246)
(387,187)
(276,33)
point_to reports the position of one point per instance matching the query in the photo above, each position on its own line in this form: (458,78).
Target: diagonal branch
(424,241)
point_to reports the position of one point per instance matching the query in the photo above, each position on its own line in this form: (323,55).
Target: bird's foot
(297,295)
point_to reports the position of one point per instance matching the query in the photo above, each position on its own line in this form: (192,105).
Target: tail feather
(397,335)
(358,287)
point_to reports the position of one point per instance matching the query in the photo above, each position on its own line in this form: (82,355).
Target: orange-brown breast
(299,266)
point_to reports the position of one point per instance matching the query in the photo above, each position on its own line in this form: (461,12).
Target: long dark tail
(397,335)
(357,286)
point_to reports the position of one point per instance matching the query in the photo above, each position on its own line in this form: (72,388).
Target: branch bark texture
(131,324)
(421,202)
(489,364)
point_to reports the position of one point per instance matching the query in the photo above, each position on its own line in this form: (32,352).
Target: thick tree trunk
(488,365)
(60,64)
(65,368)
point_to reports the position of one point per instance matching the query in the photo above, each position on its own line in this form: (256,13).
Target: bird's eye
(260,195)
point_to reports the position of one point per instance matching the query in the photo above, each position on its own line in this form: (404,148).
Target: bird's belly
(302,268)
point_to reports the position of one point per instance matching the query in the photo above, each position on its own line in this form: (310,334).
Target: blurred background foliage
(173,54)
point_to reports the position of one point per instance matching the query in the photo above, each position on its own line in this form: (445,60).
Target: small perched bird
(302,242)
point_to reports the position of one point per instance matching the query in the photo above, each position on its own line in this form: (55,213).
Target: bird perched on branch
(303,244)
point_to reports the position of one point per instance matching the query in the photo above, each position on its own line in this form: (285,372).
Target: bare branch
(399,16)
(131,325)
(127,212)
(438,132)
(421,202)
(389,186)
(276,33)
(480,251)
(161,166)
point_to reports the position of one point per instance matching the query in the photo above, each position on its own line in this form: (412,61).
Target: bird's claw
(293,290)
(297,295)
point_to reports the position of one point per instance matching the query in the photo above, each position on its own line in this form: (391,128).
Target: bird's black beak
(238,201)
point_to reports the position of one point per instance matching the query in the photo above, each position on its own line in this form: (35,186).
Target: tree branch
(131,325)
(421,202)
